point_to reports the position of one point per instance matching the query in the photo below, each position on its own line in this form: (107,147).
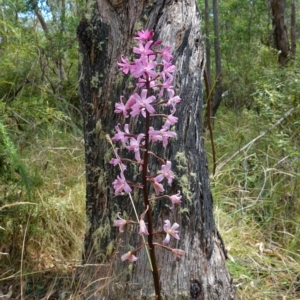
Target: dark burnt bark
(104,34)
(280,34)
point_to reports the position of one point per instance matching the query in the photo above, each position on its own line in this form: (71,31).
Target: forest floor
(256,207)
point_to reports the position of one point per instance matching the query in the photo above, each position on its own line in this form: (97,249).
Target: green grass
(44,231)
(257,205)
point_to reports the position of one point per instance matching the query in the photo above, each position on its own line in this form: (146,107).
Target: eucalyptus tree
(105,36)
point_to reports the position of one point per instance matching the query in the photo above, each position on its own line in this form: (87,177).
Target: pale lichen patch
(102,180)
(110,248)
(181,161)
(184,183)
(100,133)
(95,80)
(102,232)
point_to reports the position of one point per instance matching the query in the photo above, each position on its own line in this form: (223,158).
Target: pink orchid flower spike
(143,227)
(170,230)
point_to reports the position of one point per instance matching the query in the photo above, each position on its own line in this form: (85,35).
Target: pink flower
(129,255)
(117,161)
(175,199)
(142,104)
(154,135)
(120,135)
(125,66)
(165,85)
(121,107)
(166,135)
(142,81)
(168,68)
(120,223)
(121,185)
(161,135)
(172,100)
(135,146)
(171,120)
(142,67)
(143,227)
(157,186)
(178,253)
(145,35)
(165,173)
(166,53)
(170,231)
(131,101)
(143,50)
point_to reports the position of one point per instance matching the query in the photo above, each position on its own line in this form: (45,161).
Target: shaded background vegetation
(42,188)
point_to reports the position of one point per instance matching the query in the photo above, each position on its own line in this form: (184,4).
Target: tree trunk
(293,30)
(207,42)
(218,77)
(104,34)
(280,35)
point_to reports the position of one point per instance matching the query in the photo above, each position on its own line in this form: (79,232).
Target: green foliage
(41,183)
(12,169)
(256,194)
(38,77)
(248,58)
(51,218)
(277,91)
(240,71)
